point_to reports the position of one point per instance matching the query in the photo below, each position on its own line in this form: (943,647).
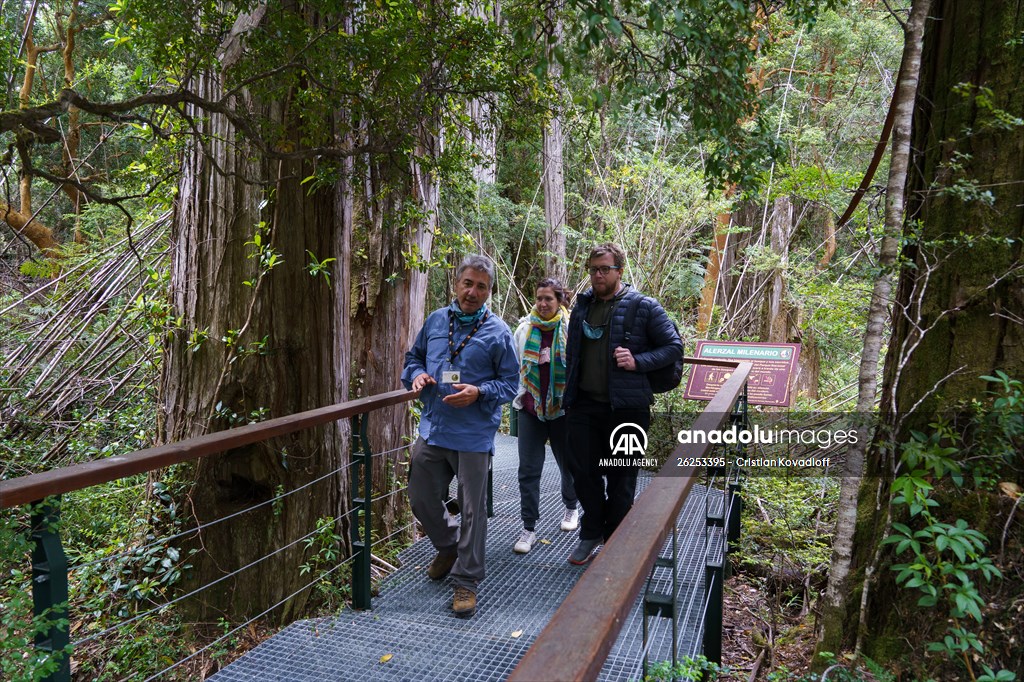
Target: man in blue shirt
(464,362)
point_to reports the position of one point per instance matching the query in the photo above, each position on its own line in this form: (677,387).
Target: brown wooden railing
(578,638)
(27,489)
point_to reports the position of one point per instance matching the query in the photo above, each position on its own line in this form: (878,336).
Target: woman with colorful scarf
(540,343)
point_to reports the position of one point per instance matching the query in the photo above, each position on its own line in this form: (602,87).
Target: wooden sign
(769,381)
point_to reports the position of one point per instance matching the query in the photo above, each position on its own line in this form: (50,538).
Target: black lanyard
(454,353)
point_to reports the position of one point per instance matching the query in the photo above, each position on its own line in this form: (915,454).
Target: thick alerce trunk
(289,356)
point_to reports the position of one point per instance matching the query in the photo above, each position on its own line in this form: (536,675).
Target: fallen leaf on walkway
(386,657)
(517,634)
(545,542)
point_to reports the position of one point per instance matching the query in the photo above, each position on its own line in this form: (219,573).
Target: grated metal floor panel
(412,621)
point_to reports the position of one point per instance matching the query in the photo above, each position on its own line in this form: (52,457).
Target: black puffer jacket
(653,342)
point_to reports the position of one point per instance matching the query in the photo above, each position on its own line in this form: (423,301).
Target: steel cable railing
(196,591)
(209,524)
(43,491)
(349,559)
(251,620)
(237,571)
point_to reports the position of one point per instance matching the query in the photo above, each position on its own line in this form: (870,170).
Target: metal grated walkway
(412,620)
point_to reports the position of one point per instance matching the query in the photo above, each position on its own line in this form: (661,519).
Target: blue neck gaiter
(462,317)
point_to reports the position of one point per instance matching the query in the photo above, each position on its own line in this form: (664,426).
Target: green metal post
(713,575)
(733,498)
(361,542)
(735,502)
(50,585)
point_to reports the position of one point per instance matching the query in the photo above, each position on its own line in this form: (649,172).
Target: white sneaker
(570,520)
(525,542)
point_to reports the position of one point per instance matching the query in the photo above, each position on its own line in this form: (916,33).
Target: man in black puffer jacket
(606,386)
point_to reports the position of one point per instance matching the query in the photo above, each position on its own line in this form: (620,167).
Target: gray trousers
(431,473)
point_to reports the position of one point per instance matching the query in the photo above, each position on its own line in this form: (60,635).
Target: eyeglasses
(602,269)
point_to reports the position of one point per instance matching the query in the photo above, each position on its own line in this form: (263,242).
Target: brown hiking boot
(441,565)
(464,602)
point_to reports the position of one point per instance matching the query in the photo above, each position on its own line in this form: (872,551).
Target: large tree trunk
(959,309)
(390,308)
(289,355)
(959,306)
(970,296)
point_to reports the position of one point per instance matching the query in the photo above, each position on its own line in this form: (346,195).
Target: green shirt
(594,354)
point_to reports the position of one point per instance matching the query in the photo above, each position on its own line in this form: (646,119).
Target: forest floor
(761,634)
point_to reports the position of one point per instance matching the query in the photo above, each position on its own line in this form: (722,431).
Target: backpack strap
(627,323)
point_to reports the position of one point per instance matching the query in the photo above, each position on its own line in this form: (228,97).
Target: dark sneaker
(441,565)
(584,552)
(463,602)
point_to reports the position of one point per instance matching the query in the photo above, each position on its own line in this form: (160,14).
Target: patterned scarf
(530,370)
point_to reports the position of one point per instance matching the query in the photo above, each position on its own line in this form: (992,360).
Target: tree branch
(33,118)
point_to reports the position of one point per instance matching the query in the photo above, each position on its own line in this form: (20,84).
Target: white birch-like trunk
(834,607)
(554,169)
(484,135)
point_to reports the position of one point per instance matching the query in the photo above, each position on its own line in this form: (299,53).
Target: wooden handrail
(579,637)
(711,362)
(27,489)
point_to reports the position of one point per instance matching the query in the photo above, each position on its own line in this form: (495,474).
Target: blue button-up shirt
(488,362)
